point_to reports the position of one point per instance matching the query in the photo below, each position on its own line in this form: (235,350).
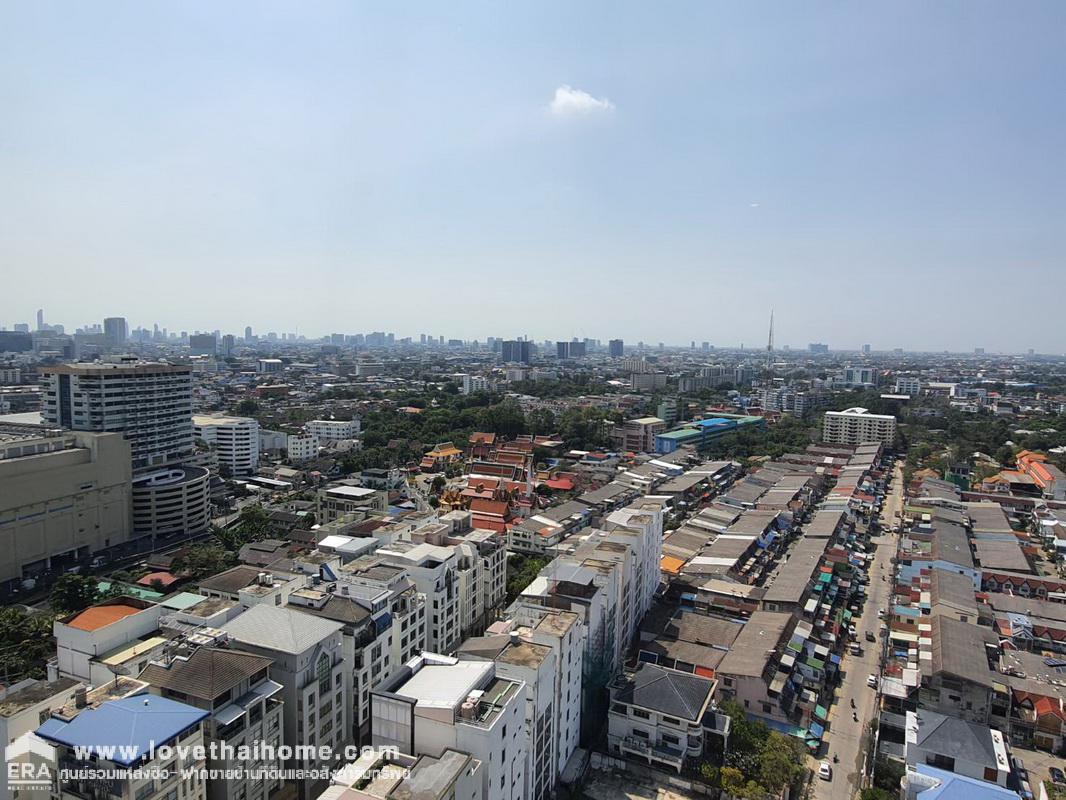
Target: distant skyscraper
(616,347)
(116,331)
(229,341)
(866,349)
(817,347)
(203,344)
(40,319)
(517,351)
(248,333)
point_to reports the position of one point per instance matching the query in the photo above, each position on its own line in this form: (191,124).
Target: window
(669,739)
(671,720)
(640,713)
(640,734)
(322,671)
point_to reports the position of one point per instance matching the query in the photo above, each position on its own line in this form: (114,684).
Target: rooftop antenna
(770,343)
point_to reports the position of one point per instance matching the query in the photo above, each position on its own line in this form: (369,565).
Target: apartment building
(367,644)
(22,707)
(301,446)
(244,708)
(329,430)
(308,661)
(341,499)
(857,425)
(66,497)
(909,386)
(434,570)
(235,441)
(437,703)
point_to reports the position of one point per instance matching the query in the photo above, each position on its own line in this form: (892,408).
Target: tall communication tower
(770,343)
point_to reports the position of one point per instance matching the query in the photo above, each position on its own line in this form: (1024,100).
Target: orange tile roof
(96,617)
(671,564)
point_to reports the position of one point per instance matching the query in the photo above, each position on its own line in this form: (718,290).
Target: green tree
(73,593)
(26,644)
(780,762)
(247,408)
(438,484)
(202,560)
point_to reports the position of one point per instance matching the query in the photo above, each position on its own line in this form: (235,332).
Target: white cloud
(571,102)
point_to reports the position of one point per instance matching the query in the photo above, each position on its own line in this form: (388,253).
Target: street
(844,735)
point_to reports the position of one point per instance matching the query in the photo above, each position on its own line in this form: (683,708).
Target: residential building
(65,498)
(116,331)
(436,703)
(328,430)
(341,499)
(301,446)
(616,348)
(234,439)
(956,745)
(123,735)
(245,709)
(857,425)
(308,661)
(475,383)
(658,715)
(267,366)
(434,570)
(516,351)
(22,707)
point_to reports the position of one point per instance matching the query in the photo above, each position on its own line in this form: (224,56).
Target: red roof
(165,578)
(496,508)
(564,484)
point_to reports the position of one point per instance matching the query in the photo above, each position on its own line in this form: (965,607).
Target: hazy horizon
(890,175)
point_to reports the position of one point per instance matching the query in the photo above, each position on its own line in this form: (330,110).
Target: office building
(616,348)
(817,348)
(516,352)
(437,703)
(857,425)
(235,441)
(65,498)
(116,331)
(229,343)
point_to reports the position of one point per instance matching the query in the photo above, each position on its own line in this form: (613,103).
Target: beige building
(857,425)
(638,435)
(65,497)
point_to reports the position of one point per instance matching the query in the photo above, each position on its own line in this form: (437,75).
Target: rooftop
(280,629)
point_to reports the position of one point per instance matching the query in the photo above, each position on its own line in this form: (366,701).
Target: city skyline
(352,167)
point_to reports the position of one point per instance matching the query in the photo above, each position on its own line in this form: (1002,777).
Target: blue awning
(817,730)
(834,658)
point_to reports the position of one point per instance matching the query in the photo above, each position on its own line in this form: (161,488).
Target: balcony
(661,753)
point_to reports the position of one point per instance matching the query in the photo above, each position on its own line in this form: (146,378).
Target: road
(844,735)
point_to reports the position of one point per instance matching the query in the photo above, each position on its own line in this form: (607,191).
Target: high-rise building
(15,342)
(116,331)
(817,348)
(248,333)
(517,351)
(203,344)
(151,405)
(616,347)
(857,425)
(40,319)
(229,342)
(234,439)
(866,349)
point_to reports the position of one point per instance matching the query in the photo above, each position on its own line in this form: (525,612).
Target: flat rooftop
(445,685)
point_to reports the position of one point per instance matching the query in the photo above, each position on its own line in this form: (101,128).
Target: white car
(871,681)
(825,771)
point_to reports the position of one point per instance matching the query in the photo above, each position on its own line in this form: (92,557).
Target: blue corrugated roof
(136,724)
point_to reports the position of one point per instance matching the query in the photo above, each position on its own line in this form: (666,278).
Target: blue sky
(888,173)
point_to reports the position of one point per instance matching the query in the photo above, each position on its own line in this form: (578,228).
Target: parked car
(871,681)
(870,636)
(825,771)
(855,649)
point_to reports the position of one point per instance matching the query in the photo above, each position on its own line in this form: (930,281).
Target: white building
(267,365)
(235,440)
(451,776)
(475,383)
(911,386)
(92,643)
(22,707)
(329,430)
(308,658)
(857,425)
(437,703)
(301,446)
(435,572)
